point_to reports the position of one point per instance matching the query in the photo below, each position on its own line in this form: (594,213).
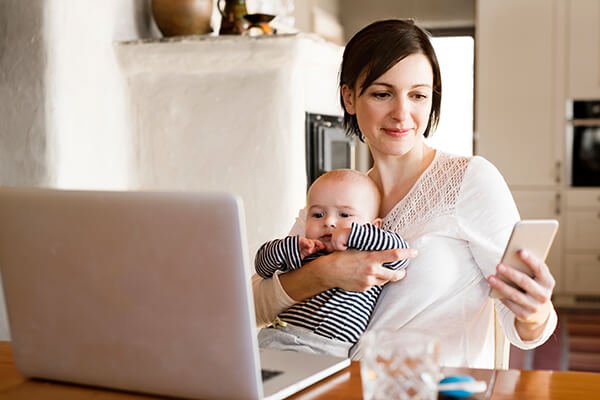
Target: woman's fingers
(360,270)
(384,275)
(395,276)
(386,256)
(539,285)
(523,281)
(529,298)
(540,270)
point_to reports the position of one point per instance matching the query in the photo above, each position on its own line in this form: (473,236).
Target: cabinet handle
(557,204)
(558,172)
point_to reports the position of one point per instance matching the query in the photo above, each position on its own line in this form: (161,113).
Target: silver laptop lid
(125,290)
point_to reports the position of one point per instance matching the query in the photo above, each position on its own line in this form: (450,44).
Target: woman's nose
(400,109)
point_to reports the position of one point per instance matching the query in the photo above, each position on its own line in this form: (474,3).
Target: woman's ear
(348,96)
(378,222)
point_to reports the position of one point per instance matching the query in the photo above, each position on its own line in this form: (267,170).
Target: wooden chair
(501,345)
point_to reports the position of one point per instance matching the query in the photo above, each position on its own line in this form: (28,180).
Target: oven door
(327,146)
(585,153)
(337,151)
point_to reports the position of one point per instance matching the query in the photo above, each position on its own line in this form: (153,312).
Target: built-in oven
(583,145)
(327,145)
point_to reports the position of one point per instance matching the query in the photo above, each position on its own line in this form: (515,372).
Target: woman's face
(394,111)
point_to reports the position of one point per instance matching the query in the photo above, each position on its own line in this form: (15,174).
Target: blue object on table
(461,392)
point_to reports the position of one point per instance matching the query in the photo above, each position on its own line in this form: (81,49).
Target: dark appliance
(327,145)
(584,151)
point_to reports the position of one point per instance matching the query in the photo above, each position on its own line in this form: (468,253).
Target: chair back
(501,345)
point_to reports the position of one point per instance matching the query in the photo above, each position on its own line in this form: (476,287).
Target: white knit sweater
(459,215)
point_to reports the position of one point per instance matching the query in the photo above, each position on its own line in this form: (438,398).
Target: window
(456,56)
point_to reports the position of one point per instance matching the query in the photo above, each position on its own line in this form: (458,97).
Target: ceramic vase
(182,17)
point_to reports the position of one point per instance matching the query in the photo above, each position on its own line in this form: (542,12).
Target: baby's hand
(309,246)
(339,238)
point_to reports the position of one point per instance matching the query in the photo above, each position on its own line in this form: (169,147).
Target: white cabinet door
(516,90)
(583,274)
(582,245)
(583,230)
(583,27)
(545,204)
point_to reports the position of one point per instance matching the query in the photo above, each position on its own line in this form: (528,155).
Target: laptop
(140,291)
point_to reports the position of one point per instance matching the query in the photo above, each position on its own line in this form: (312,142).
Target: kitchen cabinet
(582,244)
(516,90)
(583,31)
(526,74)
(520,106)
(545,204)
(584,274)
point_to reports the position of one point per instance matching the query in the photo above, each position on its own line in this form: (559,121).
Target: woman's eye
(381,95)
(419,96)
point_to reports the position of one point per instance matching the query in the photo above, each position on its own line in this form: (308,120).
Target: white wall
(23,60)
(88,119)
(63,102)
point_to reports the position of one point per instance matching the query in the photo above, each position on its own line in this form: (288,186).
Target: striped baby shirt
(335,313)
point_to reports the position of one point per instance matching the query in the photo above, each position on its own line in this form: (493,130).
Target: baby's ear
(377,222)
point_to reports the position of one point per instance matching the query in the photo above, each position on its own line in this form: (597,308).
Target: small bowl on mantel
(259,24)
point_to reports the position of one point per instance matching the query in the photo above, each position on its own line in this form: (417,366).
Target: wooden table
(346,384)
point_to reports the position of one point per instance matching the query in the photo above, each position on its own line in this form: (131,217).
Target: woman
(456,211)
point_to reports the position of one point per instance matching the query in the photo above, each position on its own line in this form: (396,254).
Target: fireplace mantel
(228,113)
(316,61)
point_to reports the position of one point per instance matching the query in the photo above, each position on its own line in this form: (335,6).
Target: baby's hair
(350,175)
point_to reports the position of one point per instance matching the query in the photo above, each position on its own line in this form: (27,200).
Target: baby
(342,213)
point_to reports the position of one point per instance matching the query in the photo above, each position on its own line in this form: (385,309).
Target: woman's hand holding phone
(530,299)
(525,285)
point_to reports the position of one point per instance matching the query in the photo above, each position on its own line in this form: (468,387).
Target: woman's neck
(396,175)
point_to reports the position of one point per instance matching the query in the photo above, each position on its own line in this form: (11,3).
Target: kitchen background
(91,98)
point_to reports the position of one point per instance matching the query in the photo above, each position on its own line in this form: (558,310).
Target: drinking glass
(400,365)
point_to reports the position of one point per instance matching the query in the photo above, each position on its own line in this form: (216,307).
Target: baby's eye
(345,215)
(317,215)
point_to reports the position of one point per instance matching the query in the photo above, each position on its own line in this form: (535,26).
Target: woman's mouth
(397,132)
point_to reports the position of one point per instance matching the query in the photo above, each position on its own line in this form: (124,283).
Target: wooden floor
(583,341)
(574,346)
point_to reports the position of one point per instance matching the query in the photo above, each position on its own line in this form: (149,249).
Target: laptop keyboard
(268,374)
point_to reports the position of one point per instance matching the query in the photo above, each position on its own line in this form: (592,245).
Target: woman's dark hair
(377,48)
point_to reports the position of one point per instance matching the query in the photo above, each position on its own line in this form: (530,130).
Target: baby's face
(337,204)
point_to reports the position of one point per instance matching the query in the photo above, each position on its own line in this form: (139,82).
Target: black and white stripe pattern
(278,255)
(368,237)
(335,313)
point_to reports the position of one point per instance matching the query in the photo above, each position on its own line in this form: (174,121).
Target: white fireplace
(228,114)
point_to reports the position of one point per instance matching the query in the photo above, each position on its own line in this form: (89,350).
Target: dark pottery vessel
(182,17)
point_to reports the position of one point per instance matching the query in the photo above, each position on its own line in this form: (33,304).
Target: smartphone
(535,236)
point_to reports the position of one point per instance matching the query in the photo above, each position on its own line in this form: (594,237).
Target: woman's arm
(269,299)
(350,270)
(487,213)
